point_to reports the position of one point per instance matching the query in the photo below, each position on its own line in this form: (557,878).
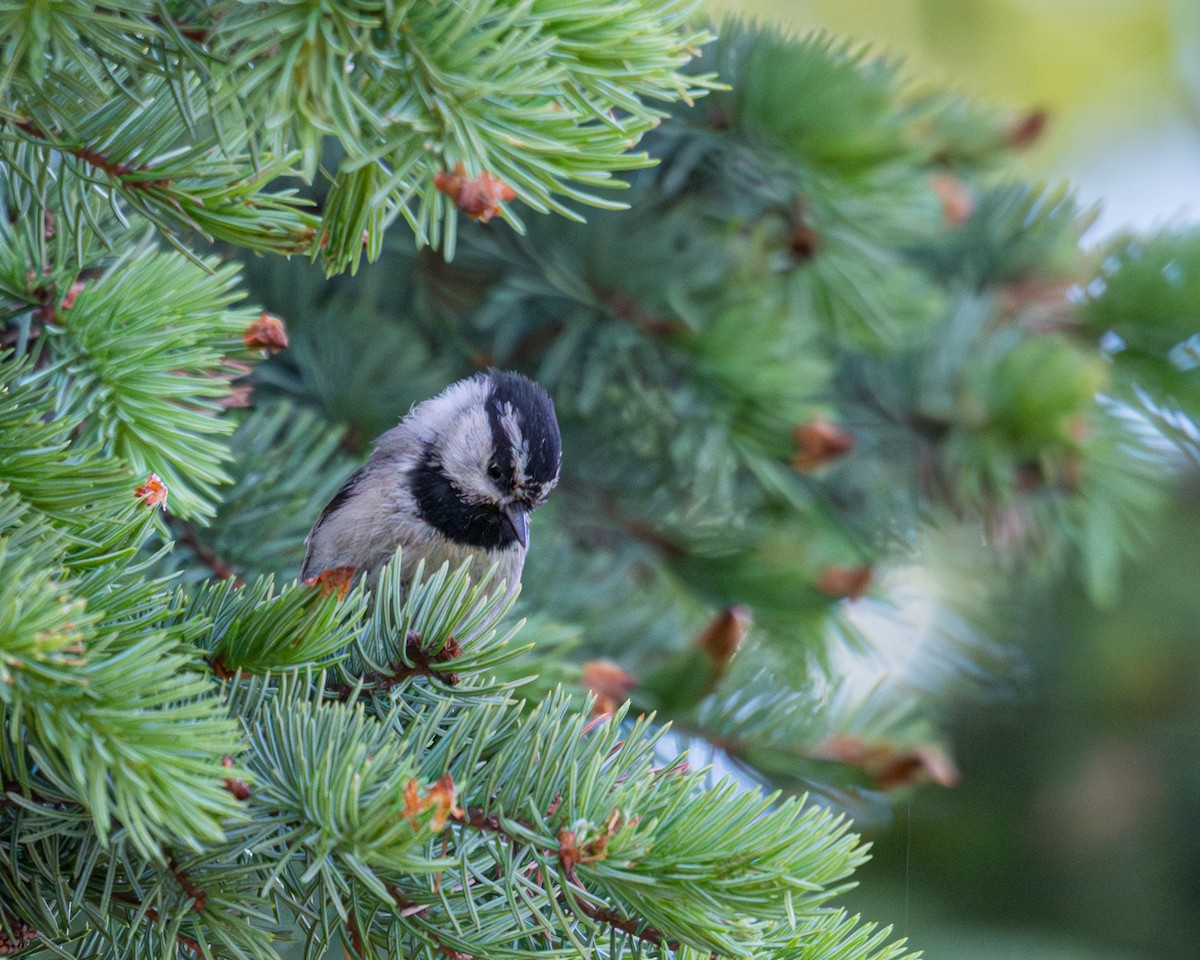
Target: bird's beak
(518,522)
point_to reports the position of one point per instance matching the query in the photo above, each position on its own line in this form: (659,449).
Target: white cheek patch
(465,449)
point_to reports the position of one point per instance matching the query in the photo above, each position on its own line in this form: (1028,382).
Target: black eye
(494,472)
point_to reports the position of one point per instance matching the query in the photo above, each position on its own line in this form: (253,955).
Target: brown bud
(439,796)
(18,936)
(888,767)
(851,582)
(267,332)
(477,197)
(958,203)
(818,442)
(803,241)
(239,397)
(1045,303)
(1029,129)
(571,852)
(334,580)
(239,788)
(72,294)
(722,637)
(608,683)
(153,492)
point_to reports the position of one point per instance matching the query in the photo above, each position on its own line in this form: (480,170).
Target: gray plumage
(457,478)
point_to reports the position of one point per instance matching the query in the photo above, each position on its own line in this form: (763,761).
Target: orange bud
(267,332)
(72,294)
(412,802)
(440,796)
(1028,130)
(889,767)
(849,582)
(239,397)
(608,683)
(722,637)
(239,788)
(477,197)
(153,492)
(818,442)
(334,580)
(571,852)
(957,201)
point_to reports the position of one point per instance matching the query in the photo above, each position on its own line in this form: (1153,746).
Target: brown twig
(185,533)
(635,927)
(196,34)
(356,937)
(153,915)
(630,925)
(420,664)
(409,908)
(116,170)
(199,897)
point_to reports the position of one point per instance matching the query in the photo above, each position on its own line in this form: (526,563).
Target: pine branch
(124,173)
(635,927)
(139,102)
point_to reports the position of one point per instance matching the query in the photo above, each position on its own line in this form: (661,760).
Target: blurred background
(1119,78)
(1073,832)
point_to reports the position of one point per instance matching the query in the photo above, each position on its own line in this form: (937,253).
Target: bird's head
(492,455)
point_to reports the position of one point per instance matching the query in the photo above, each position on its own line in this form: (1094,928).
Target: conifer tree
(819,335)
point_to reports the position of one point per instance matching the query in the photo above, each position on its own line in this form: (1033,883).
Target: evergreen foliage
(828,339)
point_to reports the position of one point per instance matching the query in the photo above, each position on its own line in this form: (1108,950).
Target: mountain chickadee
(457,478)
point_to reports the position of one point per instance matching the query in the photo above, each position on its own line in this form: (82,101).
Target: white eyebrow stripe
(512,430)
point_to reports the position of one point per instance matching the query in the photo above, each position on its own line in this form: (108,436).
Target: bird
(456,479)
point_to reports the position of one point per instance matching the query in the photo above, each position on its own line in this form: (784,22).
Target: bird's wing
(338,501)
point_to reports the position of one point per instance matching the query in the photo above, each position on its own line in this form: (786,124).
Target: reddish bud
(958,203)
(804,241)
(477,197)
(334,580)
(440,796)
(889,767)
(818,442)
(1029,129)
(72,294)
(608,683)
(240,396)
(18,936)
(851,582)
(239,788)
(571,852)
(724,634)
(267,332)
(153,492)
